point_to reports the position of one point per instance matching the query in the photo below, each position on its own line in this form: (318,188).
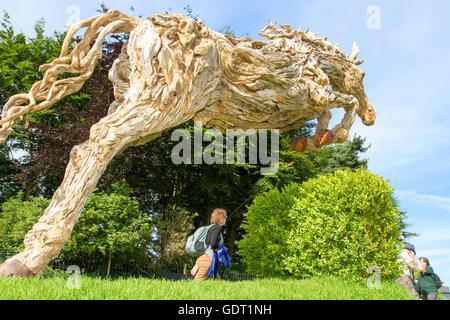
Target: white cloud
(428,199)
(431,238)
(436,252)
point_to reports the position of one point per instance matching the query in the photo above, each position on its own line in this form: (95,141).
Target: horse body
(174,69)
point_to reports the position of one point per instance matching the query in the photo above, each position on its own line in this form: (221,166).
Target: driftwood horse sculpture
(174,69)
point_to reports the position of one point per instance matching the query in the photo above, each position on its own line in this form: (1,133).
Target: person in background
(425,284)
(213,238)
(407,259)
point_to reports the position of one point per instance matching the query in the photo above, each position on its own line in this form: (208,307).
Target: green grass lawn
(323,288)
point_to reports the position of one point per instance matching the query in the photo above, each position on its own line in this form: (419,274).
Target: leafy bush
(337,224)
(17,216)
(344,223)
(267,226)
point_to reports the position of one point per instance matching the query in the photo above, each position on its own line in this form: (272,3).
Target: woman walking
(214,237)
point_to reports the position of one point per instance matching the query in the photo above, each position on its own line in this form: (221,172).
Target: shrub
(17,217)
(267,227)
(337,224)
(344,223)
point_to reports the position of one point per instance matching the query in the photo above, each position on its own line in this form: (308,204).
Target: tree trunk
(109,266)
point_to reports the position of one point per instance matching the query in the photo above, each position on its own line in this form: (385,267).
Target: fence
(224,274)
(8,253)
(133,270)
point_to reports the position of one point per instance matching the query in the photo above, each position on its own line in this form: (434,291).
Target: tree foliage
(111,227)
(17,216)
(21,57)
(343,156)
(267,226)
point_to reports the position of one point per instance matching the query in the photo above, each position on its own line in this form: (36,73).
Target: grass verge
(321,288)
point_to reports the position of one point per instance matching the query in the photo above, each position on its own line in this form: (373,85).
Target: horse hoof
(323,138)
(299,144)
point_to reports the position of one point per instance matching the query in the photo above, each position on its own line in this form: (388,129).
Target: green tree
(172,226)
(293,166)
(21,57)
(111,227)
(342,156)
(19,61)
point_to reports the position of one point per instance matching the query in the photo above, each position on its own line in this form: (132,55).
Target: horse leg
(130,125)
(350,105)
(323,136)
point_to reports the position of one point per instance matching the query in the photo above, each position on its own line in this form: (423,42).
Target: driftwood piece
(174,69)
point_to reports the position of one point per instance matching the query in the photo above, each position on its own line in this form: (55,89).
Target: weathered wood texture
(174,69)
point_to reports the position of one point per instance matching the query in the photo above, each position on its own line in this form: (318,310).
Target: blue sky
(405,46)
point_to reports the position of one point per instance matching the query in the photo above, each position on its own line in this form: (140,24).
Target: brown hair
(219,216)
(425,260)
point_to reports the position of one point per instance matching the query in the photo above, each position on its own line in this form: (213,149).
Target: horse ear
(355,51)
